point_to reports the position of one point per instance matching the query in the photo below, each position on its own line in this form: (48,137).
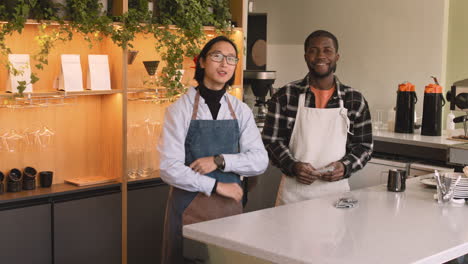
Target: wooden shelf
(140,90)
(155,175)
(55,23)
(54,190)
(62,93)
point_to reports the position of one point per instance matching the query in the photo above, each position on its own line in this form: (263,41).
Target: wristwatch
(219,161)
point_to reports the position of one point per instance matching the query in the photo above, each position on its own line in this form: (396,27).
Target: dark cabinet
(88,230)
(25,235)
(146,208)
(263,195)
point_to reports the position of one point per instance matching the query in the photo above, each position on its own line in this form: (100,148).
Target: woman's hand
(230,190)
(204,165)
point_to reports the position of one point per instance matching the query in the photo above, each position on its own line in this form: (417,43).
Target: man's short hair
(320,33)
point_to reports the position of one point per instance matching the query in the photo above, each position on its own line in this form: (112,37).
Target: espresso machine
(260,83)
(458,98)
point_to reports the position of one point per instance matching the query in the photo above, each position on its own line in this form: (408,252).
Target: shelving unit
(90,134)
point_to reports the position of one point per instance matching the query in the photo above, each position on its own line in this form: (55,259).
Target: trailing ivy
(189,16)
(85,17)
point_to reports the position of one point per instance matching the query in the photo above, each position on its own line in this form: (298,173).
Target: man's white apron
(319,138)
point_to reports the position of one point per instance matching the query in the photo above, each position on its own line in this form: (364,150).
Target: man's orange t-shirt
(322,96)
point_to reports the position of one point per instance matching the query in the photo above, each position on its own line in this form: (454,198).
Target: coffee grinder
(261,82)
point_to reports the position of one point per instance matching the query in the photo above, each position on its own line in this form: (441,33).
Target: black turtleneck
(212,98)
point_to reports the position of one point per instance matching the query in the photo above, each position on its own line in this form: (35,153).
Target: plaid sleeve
(277,131)
(359,144)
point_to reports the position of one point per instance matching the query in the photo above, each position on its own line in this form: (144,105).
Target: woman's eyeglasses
(219,57)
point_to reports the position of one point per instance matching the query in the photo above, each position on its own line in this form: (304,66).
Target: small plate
(429,182)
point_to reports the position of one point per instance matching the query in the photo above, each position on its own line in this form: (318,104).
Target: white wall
(457,47)
(457,57)
(382,42)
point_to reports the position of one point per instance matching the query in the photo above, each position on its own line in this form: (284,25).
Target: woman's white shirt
(251,161)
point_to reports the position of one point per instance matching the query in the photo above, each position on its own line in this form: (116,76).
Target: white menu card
(21,63)
(71,77)
(98,73)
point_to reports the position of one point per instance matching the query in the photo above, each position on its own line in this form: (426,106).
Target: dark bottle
(432,110)
(405,104)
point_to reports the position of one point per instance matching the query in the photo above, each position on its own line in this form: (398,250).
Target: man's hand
(230,190)
(336,174)
(204,165)
(305,173)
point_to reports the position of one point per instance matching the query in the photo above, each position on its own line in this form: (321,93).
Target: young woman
(209,140)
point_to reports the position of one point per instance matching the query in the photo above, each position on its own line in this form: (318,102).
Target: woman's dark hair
(199,71)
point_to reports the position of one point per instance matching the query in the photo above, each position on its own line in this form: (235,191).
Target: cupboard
(86,135)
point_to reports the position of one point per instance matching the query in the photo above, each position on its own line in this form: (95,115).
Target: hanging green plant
(138,5)
(88,18)
(189,16)
(129,26)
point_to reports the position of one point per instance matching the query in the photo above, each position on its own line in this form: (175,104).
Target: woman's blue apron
(204,138)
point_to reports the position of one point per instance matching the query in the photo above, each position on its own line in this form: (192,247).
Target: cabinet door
(374,173)
(146,208)
(25,235)
(88,230)
(263,195)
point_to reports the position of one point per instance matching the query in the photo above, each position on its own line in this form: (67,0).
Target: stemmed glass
(3,144)
(46,137)
(14,141)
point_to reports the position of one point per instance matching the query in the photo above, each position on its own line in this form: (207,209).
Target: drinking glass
(378,119)
(132,151)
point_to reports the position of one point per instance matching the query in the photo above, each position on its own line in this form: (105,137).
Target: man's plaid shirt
(282,109)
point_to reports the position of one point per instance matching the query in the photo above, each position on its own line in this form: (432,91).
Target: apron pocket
(204,208)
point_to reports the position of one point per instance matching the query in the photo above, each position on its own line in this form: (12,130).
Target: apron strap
(344,114)
(301,102)
(233,114)
(197,100)
(195,106)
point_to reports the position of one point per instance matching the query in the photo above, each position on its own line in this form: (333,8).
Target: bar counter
(386,227)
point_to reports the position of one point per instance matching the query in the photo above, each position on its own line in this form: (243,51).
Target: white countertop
(415,139)
(386,227)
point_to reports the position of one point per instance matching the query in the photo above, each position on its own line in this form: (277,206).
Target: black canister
(14,181)
(405,104)
(29,178)
(432,111)
(2,176)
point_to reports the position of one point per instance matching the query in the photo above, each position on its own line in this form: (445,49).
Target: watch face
(219,161)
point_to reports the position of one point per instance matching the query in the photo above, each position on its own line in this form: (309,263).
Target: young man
(318,131)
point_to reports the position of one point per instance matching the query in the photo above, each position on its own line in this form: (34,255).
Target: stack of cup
(14,181)
(29,178)
(2,176)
